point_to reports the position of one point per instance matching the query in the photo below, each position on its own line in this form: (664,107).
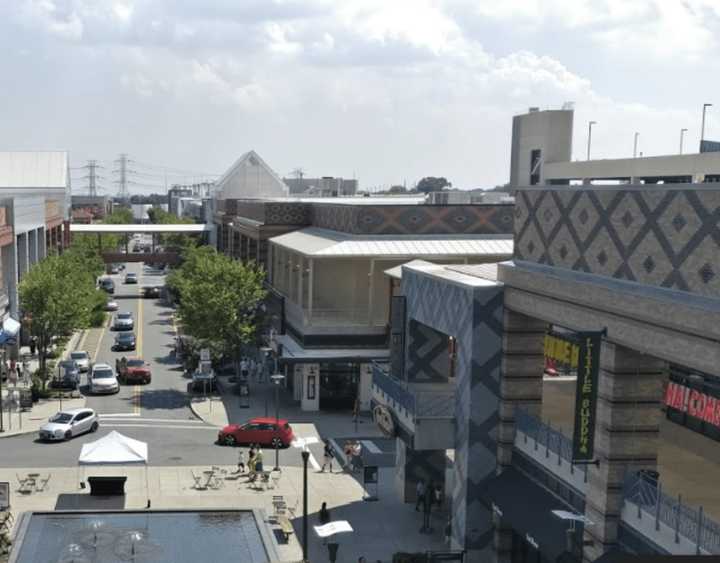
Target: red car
(261,431)
(136,370)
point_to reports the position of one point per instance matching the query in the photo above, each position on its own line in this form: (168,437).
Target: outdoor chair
(198,485)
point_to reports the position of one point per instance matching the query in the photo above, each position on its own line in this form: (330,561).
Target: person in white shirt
(420,493)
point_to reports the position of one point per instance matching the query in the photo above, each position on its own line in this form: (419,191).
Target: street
(158,413)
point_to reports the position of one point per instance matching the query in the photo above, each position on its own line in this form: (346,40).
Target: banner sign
(693,402)
(586,395)
(562,349)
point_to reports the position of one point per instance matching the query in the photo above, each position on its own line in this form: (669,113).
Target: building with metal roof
(250,177)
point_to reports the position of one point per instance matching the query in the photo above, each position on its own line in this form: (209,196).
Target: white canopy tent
(116,449)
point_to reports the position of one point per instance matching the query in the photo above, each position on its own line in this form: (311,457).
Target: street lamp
(635,144)
(682,136)
(702,127)
(590,124)
(305,456)
(277,379)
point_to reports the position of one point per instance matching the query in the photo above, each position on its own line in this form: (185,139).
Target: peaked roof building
(250,177)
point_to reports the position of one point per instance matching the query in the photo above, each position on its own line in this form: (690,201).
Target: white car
(103,379)
(82,359)
(112,305)
(124,321)
(67,424)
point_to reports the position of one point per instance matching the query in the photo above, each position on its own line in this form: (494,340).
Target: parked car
(82,359)
(124,321)
(113,269)
(260,430)
(151,292)
(133,370)
(103,379)
(130,277)
(111,305)
(125,341)
(67,376)
(69,423)
(106,284)
(202,381)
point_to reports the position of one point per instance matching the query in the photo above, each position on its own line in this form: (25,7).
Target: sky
(386,91)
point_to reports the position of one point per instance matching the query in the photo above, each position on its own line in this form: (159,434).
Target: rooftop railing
(418,404)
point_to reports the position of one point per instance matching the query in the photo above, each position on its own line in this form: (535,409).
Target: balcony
(426,411)
(329,318)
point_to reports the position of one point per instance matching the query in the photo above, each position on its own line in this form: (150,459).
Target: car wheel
(68,434)
(94,427)
(229,440)
(276,443)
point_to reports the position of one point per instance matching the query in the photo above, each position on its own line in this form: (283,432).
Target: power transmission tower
(123,171)
(92,176)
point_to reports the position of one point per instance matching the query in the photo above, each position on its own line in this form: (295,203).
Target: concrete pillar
(22,255)
(41,250)
(300,267)
(626,436)
(521,382)
(413,465)
(365,386)
(310,293)
(32,238)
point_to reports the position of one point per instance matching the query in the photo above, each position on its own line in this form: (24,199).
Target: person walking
(420,494)
(327,457)
(324,518)
(33,345)
(241,461)
(259,460)
(251,463)
(244,368)
(437,493)
(356,457)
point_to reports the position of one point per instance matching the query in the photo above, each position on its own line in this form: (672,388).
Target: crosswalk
(134,420)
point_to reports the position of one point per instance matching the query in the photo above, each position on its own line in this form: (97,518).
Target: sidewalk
(17,422)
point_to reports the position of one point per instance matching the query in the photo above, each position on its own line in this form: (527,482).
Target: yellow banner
(561,350)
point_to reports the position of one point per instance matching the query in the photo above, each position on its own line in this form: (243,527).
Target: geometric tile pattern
(414,219)
(662,237)
(474,317)
(428,357)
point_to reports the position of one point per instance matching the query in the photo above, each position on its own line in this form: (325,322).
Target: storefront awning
(527,508)
(292,352)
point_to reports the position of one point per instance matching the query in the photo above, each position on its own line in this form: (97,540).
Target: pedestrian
(33,345)
(438,495)
(251,463)
(327,457)
(420,494)
(324,518)
(259,461)
(241,461)
(448,530)
(356,457)
(244,368)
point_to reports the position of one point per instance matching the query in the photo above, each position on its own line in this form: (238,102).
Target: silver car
(82,359)
(124,321)
(103,379)
(69,423)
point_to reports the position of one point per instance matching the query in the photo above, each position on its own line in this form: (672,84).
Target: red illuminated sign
(693,402)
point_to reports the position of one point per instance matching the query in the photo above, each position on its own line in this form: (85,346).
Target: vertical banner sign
(586,395)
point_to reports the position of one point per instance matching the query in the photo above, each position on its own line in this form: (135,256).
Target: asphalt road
(157,413)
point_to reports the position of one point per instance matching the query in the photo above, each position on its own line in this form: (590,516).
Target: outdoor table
(209,475)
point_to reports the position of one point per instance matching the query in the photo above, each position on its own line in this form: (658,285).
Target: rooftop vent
(533,109)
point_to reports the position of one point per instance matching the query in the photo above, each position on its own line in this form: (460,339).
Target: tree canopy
(178,240)
(59,296)
(432,184)
(219,299)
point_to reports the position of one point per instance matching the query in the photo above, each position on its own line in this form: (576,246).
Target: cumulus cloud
(387,90)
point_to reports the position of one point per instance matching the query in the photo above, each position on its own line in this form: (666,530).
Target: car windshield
(102,374)
(124,315)
(135,363)
(78,355)
(61,417)
(68,364)
(126,336)
(131,276)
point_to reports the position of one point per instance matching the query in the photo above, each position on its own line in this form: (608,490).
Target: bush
(97,318)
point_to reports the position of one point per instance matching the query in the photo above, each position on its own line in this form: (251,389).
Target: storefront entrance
(339,385)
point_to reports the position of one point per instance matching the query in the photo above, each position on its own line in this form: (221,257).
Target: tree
(59,296)
(219,300)
(397,189)
(161,217)
(432,184)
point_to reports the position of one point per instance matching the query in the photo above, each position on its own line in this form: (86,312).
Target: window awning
(526,507)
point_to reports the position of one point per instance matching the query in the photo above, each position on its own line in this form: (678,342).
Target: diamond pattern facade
(473,315)
(656,236)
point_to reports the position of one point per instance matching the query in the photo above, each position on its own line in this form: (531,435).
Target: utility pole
(92,176)
(635,144)
(702,127)
(590,124)
(122,162)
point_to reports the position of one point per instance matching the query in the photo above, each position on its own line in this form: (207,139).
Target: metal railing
(544,435)
(420,404)
(691,523)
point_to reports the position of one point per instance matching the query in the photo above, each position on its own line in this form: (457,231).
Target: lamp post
(702,127)
(277,379)
(682,137)
(305,456)
(590,124)
(635,144)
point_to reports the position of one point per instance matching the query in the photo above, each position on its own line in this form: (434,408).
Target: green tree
(59,296)
(219,300)
(174,240)
(432,184)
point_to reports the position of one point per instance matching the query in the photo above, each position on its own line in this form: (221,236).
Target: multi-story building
(617,282)
(34,208)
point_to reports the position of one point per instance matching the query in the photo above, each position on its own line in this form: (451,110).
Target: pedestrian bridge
(150,228)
